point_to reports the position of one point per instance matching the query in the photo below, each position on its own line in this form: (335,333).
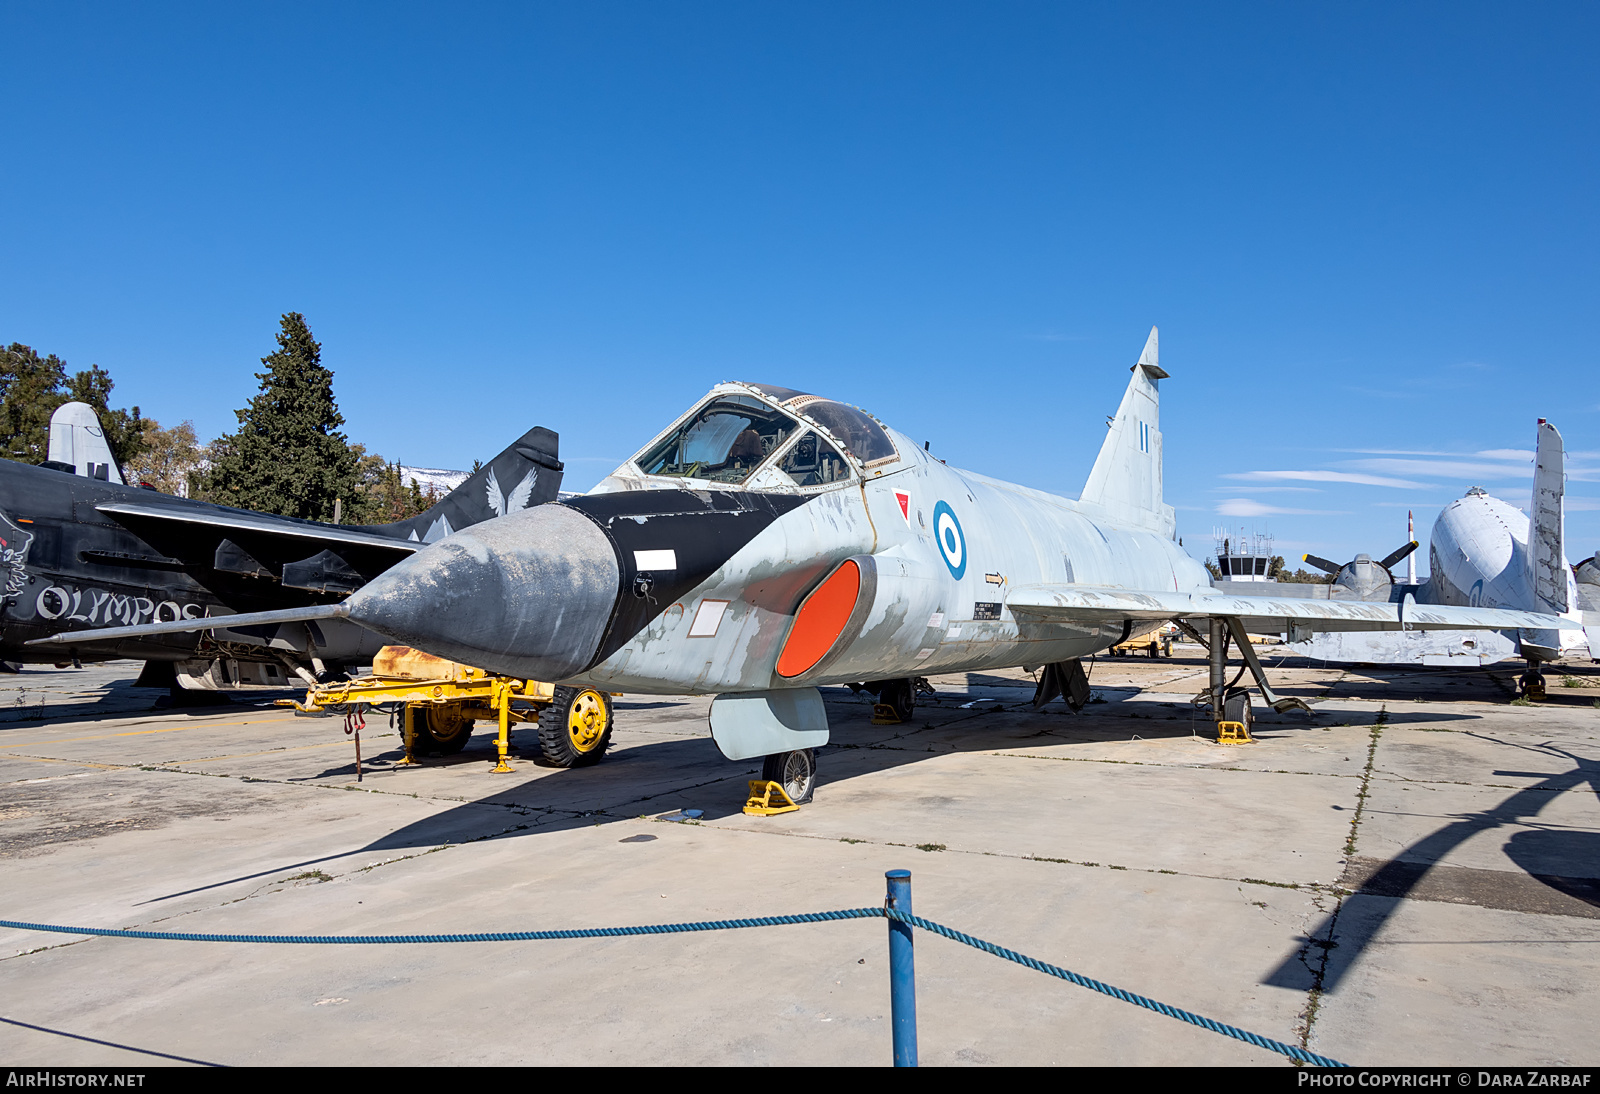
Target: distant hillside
(435,480)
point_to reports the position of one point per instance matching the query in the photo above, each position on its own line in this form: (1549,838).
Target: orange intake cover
(820,620)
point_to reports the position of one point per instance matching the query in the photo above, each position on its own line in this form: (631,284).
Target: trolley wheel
(575,729)
(899,694)
(795,771)
(439,727)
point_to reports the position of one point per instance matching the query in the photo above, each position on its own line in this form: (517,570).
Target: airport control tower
(1243,556)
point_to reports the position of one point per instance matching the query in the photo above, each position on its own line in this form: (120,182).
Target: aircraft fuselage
(945,544)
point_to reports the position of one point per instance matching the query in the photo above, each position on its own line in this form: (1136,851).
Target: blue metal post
(902,972)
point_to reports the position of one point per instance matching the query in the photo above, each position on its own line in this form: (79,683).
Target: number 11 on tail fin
(1125,483)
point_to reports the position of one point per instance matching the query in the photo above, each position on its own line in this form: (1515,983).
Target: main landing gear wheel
(900,695)
(439,727)
(795,771)
(575,729)
(1238,708)
(1531,685)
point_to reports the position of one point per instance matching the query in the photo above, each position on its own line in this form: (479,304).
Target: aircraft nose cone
(528,595)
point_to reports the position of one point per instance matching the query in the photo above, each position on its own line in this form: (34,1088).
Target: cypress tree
(287,456)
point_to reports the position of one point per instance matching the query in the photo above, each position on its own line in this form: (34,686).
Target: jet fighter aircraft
(770,541)
(80,550)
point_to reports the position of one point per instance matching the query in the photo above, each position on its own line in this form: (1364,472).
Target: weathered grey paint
(527,595)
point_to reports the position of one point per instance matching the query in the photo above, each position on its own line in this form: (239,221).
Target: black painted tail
(527,473)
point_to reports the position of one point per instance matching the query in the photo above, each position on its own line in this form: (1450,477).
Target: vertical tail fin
(1547,556)
(77,439)
(1126,479)
(526,474)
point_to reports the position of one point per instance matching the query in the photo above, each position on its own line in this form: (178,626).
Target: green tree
(124,430)
(32,387)
(287,456)
(30,391)
(170,456)
(381,495)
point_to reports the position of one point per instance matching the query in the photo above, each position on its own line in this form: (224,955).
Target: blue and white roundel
(952,544)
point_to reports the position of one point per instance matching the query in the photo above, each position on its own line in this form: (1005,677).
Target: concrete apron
(1115,843)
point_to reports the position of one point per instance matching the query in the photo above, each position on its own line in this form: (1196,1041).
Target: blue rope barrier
(490,936)
(1116,993)
(711,925)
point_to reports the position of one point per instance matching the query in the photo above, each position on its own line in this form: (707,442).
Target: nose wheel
(795,771)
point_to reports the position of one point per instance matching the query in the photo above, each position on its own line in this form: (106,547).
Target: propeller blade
(1322,564)
(1398,555)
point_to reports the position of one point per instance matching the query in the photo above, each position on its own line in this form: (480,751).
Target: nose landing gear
(786,783)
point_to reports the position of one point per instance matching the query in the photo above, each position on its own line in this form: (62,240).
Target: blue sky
(1367,232)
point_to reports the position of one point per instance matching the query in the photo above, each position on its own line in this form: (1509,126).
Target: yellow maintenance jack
(442,699)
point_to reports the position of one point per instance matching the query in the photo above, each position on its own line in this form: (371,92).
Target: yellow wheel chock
(767,799)
(884,714)
(1233,733)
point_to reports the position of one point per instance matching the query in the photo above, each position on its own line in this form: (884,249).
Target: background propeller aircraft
(1483,552)
(1361,577)
(770,541)
(80,550)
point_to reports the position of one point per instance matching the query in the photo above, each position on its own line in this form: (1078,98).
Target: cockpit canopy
(731,436)
(857,430)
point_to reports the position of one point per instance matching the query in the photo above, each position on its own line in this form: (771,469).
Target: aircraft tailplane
(1126,480)
(1547,557)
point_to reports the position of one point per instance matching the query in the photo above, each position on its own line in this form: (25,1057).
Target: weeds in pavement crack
(1317,965)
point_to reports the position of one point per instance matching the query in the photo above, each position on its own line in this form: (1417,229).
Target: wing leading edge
(1078,603)
(274,528)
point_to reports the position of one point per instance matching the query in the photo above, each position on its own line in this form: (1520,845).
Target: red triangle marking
(905,504)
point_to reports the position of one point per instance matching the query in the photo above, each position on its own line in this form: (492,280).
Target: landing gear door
(748,724)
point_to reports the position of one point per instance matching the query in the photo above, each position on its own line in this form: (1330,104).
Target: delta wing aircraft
(79,550)
(770,541)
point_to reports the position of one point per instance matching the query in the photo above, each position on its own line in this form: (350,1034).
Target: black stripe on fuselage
(703,529)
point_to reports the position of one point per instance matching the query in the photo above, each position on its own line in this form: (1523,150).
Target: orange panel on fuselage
(820,620)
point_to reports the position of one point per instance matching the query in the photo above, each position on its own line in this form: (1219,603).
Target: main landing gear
(1530,685)
(1230,705)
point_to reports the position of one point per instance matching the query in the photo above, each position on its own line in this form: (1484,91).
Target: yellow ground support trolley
(442,700)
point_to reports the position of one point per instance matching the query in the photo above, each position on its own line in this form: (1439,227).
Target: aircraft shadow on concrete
(646,781)
(663,776)
(122,700)
(1561,859)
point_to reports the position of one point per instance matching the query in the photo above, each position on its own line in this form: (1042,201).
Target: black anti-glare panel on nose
(703,530)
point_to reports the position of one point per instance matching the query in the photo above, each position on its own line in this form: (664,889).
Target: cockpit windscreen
(724,442)
(813,462)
